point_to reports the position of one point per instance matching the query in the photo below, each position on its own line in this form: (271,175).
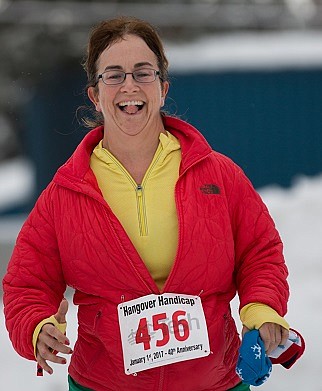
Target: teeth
(132,103)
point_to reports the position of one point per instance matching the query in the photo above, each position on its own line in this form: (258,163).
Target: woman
(156,233)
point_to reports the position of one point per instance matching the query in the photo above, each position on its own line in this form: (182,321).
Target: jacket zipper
(139,190)
(143,225)
(142,213)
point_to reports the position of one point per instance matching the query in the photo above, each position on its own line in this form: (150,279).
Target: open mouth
(131,107)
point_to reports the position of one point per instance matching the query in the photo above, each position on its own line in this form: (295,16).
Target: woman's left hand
(272,335)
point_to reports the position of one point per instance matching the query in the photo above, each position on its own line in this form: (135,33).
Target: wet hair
(110,31)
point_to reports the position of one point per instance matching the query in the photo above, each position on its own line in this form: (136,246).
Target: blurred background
(247,74)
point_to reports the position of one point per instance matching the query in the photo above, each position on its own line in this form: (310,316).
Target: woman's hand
(51,340)
(272,335)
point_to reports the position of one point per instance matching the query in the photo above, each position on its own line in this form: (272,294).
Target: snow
(17,180)
(242,50)
(297,213)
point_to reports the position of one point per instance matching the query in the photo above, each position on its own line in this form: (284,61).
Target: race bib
(157,330)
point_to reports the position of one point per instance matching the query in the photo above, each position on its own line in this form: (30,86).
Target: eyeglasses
(114,77)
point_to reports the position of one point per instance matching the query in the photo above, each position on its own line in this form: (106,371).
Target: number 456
(180,333)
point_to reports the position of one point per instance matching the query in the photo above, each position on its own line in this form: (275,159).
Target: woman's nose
(129,83)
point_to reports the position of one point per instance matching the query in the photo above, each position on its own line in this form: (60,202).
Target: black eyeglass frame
(156,73)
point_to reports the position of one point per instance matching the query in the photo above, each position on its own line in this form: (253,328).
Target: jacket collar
(194,148)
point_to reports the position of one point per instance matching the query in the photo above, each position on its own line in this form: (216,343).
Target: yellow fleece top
(254,315)
(148,212)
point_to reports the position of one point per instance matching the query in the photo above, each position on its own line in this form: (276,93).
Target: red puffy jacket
(227,242)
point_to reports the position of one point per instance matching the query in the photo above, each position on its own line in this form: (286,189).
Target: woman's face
(130,107)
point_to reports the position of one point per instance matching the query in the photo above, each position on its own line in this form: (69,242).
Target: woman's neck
(135,153)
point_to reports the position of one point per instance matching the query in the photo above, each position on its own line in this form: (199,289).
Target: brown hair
(110,31)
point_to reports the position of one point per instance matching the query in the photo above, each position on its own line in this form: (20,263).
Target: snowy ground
(17,180)
(298,215)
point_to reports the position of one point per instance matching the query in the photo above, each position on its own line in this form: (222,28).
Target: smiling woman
(109,32)
(145,216)
(122,68)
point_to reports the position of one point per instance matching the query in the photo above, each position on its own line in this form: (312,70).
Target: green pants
(240,387)
(73,386)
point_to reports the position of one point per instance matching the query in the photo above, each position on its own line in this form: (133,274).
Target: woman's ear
(93,96)
(164,92)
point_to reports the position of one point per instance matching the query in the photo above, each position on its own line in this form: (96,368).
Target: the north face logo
(210,189)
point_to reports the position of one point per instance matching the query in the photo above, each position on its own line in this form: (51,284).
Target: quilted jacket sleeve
(261,273)
(34,284)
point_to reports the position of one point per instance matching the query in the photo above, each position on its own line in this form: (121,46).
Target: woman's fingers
(54,339)
(268,335)
(46,353)
(54,345)
(43,363)
(51,340)
(285,335)
(273,335)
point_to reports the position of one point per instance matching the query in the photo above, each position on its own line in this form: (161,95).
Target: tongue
(131,109)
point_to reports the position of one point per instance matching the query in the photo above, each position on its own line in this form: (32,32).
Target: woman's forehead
(131,50)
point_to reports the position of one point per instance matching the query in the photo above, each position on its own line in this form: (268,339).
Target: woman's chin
(133,128)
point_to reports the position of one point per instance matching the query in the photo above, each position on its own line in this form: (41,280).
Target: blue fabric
(253,366)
